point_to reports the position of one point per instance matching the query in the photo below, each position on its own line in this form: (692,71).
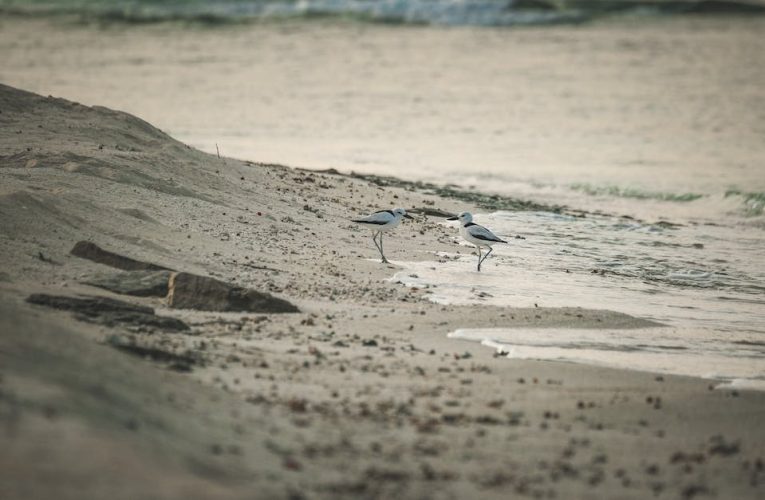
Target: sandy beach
(360,394)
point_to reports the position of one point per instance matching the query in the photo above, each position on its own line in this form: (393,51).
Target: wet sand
(359,395)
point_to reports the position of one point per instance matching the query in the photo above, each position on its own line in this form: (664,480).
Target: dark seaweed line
(482,200)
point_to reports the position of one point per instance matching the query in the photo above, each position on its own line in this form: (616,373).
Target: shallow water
(707,283)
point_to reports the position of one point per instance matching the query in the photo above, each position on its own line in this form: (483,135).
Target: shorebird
(382,221)
(477,235)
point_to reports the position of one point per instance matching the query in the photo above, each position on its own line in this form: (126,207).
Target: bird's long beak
(407,216)
(453,218)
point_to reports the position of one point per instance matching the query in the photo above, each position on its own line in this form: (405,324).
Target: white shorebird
(382,221)
(477,235)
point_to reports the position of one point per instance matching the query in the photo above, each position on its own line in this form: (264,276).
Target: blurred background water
(428,12)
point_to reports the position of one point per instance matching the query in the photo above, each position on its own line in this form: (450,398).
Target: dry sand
(360,395)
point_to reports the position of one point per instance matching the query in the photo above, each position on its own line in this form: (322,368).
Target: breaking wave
(753,204)
(639,194)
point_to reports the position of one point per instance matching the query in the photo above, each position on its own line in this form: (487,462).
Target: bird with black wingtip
(380,222)
(477,235)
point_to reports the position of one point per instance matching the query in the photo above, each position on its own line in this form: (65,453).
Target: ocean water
(437,12)
(420,12)
(653,126)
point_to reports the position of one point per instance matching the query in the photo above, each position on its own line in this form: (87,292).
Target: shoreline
(360,394)
(505,349)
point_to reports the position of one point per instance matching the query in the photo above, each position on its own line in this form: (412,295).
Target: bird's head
(400,212)
(464,218)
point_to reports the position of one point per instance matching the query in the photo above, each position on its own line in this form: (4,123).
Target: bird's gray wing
(481,233)
(377,219)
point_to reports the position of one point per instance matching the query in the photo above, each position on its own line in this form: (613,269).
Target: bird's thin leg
(485,256)
(384,260)
(374,238)
(479,258)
